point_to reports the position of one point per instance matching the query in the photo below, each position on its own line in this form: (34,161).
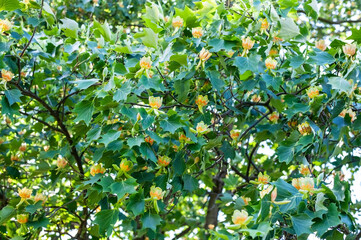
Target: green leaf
(70,27)
(136,204)
(13,96)
(329,220)
(149,37)
(288,3)
(40,223)
(151,221)
(179,165)
(311,9)
(9,5)
(190,183)
(172,124)
(244,63)
(137,141)
(288,29)
(338,189)
(296,61)
(215,78)
(181,87)
(103,29)
(147,151)
(84,109)
(122,93)
(285,153)
(356,35)
(6,213)
(32,208)
(181,59)
(301,224)
(109,137)
(106,220)
(339,83)
(321,58)
(272,81)
(85,83)
(124,187)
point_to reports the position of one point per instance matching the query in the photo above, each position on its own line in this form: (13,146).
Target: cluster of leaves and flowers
(162,130)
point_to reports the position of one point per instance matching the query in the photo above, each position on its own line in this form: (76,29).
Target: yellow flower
(145,63)
(266,191)
(321,45)
(7,75)
(197,32)
(22,218)
(211,226)
(155,102)
(235,134)
(304,170)
(149,140)
(177,22)
(349,111)
(246,200)
(273,52)
(125,165)
(256,98)
(204,55)
(306,184)
(263,178)
(247,43)
(61,162)
(96,169)
(313,92)
(274,117)
(39,197)
(163,161)
(296,183)
(156,193)
(230,53)
(270,63)
(46,148)
(25,193)
(264,24)
(304,128)
(184,138)
(202,101)
(349,49)
(5,25)
(202,128)
(240,217)
(22,147)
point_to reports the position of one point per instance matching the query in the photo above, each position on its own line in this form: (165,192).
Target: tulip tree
(206,120)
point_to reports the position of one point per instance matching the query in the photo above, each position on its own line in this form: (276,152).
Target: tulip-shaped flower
(349,49)
(197,32)
(156,193)
(264,25)
(349,111)
(177,22)
(270,63)
(240,219)
(321,44)
(61,162)
(313,92)
(164,161)
(5,25)
(97,169)
(201,101)
(145,66)
(262,179)
(202,128)
(304,170)
(274,117)
(22,218)
(305,128)
(204,55)
(247,44)
(24,194)
(40,197)
(155,102)
(125,165)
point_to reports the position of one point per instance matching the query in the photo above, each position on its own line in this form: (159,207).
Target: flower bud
(46,148)
(149,140)
(15,157)
(263,178)
(304,170)
(313,92)
(264,25)
(211,226)
(235,134)
(246,200)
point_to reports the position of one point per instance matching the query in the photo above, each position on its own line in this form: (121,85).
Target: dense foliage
(203,120)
